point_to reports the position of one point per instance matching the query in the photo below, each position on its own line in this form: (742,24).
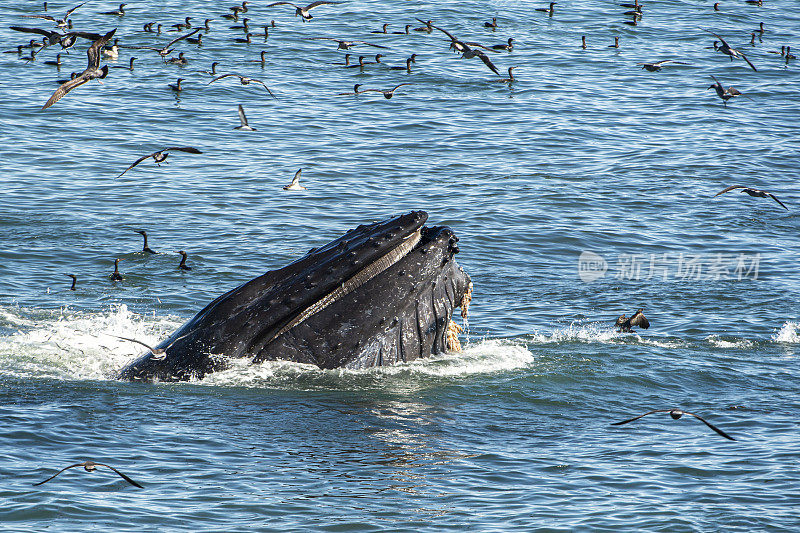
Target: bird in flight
(91,466)
(243,119)
(655,67)
(388,93)
(344,45)
(752,192)
(92,71)
(676,414)
(466,51)
(303,11)
(166,50)
(725,48)
(295,184)
(244,81)
(62,22)
(161,156)
(636,319)
(725,94)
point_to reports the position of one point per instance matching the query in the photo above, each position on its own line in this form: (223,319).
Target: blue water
(583,153)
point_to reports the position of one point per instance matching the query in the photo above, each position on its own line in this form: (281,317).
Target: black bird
(243,119)
(177,87)
(183,265)
(726,49)
(344,45)
(382,30)
(427,28)
(146,249)
(510,78)
(655,67)
(548,10)
(388,93)
(244,81)
(355,91)
(74,281)
(129,67)
(92,71)
(62,22)
(407,68)
(752,192)
(245,26)
(118,12)
(492,24)
(196,40)
(116,276)
(402,32)
(676,414)
(637,319)
(725,94)
(246,39)
(304,11)
(508,46)
(161,156)
(180,60)
(56,63)
(213,71)
(91,466)
(468,52)
(185,25)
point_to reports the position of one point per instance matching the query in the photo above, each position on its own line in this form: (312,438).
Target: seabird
(346,61)
(427,28)
(359,65)
(146,249)
(262,60)
(510,78)
(244,81)
(177,87)
(725,94)
(655,67)
(185,25)
(196,40)
(243,119)
(166,50)
(129,67)
(245,25)
(116,276)
(118,12)
(74,281)
(295,184)
(676,414)
(583,42)
(56,63)
(161,156)
(752,192)
(92,71)
(753,2)
(467,52)
(407,68)
(382,30)
(344,45)
(355,91)
(725,48)
(180,60)
(303,11)
(113,52)
(508,46)
(245,40)
(636,319)
(492,24)
(548,10)
(213,71)
(616,43)
(62,22)
(388,93)
(91,466)
(402,32)
(183,265)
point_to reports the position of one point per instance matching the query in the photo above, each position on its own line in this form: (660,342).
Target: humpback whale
(382,293)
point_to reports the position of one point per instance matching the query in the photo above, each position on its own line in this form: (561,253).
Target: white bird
(295,184)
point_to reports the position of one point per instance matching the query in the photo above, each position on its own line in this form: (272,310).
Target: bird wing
(296,178)
(638,319)
(66,87)
(284,3)
(718,36)
(318,3)
(752,66)
(188,149)
(479,45)
(182,37)
(123,476)
(40,31)
(220,77)
(400,85)
(709,424)
(68,13)
(774,198)
(85,35)
(265,86)
(487,61)
(640,416)
(370,44)
(242,117)
(94,51)
(452,37)
(45,17)
(57,473)
(138,161)
(732,187)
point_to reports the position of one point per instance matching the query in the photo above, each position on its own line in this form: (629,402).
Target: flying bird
(466,51)
(725,94)
(166,50)
(62,22)
(295,184)
(243,119)
(303,11)
(725,48)
(92,71)
(636,319)
(388,93)
(655,67)
(752,192)
(161,156)
(344,45)
(244,81)
(676,414)
(91,466)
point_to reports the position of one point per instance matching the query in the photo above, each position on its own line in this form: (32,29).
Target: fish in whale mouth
(381,293)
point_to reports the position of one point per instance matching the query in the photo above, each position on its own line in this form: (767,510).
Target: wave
(789,333)
(598,332)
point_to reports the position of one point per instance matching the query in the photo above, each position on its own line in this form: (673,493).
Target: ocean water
(581,191)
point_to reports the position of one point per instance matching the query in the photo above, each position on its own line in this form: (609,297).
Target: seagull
(725,94)
(92,71)
(752,192)
(676,414)
(146,249)
(655,67)
(636,319)
(161,156)
(62,22)
(166,50)
(725,48)
(386,93)
(91,466)
(66,40)
(243,119)
(244,81)
(466,51)
(304,11)
(345,45)
(295,184)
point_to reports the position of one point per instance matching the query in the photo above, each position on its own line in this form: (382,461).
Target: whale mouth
(372,270)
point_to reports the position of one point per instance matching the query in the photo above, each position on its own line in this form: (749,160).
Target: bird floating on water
(183,265)
(625,325)
(491,25)
(295,184)
(177,87)
(116,276)
(676,414)
(243,119)
(92,71)
(548,10)
(146,249)
(752,192)
(161,156)
(118,12)
(91,466)
(74,281)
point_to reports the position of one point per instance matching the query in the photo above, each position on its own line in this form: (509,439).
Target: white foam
(716,341)
(789,332)
(598,332)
